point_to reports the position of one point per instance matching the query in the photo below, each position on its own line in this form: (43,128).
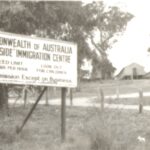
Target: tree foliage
(109,23)
(69,21)
(103,69)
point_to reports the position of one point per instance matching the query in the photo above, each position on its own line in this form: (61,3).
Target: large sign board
(37,61)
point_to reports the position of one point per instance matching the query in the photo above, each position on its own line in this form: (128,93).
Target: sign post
(71,96)
(63,114)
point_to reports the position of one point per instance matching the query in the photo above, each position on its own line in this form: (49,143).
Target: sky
(133,44)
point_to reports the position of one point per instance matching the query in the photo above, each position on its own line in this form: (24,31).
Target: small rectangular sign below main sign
(37,61)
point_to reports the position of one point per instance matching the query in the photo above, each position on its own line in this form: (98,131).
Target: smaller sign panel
(37,61)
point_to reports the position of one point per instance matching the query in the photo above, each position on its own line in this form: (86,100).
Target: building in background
(147,76)
(132,71)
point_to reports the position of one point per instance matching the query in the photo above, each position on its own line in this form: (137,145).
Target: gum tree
(109,23)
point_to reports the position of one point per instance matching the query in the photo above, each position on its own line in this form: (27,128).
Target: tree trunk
(3,100)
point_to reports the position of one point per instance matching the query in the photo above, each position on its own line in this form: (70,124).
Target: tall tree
(109,23)
(103,69)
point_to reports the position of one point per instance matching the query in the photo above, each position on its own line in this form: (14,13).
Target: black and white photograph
(75,75)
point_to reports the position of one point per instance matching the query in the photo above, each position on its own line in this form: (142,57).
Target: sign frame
(51,80)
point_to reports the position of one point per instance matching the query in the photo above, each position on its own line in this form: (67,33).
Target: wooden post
(25,96)
(102,99)
(71,97)
(54,91)
(63,114)
(19,129)
(140,101)
(117,91)
(46,97)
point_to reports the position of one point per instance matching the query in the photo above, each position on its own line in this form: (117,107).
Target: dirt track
(89,102)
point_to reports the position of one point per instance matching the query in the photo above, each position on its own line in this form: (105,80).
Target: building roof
(147,75)
(128,70)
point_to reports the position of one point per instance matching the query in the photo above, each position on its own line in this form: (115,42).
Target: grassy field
(110,88)
(87,128)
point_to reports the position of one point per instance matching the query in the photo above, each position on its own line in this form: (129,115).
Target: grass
(109,87)
(91,89)
(87,129)
(130,101)
(125,101)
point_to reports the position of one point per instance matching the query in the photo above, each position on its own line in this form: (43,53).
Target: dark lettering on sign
(57,67)
(52,80)
(35,78)
(22,69)
(61,58)
(9,76)
(40,70)
(59,72)
(2,67)
(33,55)
(46,66)
(4,62)
(57,48)
(11,67)
(5,52)
(50,71)
(15,43)
(16,63)
(56,81)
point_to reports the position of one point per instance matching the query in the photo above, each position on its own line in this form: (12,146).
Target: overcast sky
(132,46)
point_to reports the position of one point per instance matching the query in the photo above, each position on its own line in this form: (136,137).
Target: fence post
(102,99)
(54,91)
(140,101)
(117,92)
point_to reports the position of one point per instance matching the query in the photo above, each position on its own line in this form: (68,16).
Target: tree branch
(98,47)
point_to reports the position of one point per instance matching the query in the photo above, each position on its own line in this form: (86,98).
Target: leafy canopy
(71,21)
